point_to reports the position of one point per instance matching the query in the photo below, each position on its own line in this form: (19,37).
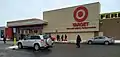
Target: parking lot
(67,50)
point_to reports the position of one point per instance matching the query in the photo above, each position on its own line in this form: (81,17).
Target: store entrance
(28,31)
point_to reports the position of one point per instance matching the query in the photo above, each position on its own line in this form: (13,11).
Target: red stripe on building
(8,33)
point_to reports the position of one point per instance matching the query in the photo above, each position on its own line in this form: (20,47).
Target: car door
(101,39)
(26,41)
(32,40)
(96,40)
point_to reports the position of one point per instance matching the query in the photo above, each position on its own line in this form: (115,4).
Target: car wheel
(49,41)
(36,47)
(89,42)
(20,45)
(106,43)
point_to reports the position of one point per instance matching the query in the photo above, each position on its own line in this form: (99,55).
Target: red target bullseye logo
(80,14)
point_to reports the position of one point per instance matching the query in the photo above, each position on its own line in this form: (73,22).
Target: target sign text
(80,14)
(80,24)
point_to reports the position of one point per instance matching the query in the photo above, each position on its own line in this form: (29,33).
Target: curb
(66,43)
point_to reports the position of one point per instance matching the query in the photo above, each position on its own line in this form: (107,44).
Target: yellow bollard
(14,41)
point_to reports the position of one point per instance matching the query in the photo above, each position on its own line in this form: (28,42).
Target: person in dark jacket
(65,37)
(4,39)
(62,37)
(78,40)
(58,38)
(22,36)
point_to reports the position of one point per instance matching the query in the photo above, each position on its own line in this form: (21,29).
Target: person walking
(78,40)
(4,39)
(58,38)
(65,38)
(62,37)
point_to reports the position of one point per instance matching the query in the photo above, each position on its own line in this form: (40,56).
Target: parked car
(101,39)
(37,42)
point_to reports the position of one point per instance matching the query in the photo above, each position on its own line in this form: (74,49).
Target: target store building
(80,20)
(84,20)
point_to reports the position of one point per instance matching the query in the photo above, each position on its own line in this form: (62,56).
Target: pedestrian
(62,37)
(65,37)
(53,38)
(4,39)
(50,35)
(58,38)
(21,36)
(78,40)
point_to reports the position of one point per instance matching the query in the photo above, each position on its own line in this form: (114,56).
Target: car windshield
(103,37)
(45,36)
(99,37)
(109,37)
(35,37)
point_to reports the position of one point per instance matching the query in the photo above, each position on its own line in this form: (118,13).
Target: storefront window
(118,14)
(102,16)
(115,15)
(30,31)
(21,31)
(2,33)
(107,15)
(111,15)
(26,31)
(18,31)
(35,31)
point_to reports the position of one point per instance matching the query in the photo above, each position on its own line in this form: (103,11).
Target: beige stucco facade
(61,19)
(111,27)
(72,36)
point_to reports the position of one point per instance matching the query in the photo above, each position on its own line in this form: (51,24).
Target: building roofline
(2,26)
(27,19)
(110,12)
(71,6)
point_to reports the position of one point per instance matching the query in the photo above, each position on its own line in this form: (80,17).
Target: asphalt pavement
(65,50)
(7,42)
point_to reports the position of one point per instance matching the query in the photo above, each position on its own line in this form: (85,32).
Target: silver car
(101,39)
(36,41)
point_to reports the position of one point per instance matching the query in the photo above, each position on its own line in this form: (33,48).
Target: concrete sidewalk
(84,41)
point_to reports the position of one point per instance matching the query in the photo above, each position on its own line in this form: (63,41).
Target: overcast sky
(20,9)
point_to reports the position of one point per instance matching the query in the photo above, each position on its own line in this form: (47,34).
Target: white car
(101,39)
(37,41)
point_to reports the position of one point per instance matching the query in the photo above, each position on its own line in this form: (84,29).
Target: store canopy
(26,22)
